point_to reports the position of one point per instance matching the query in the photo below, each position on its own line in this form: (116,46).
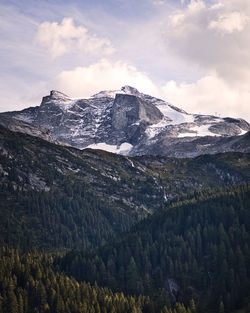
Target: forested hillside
(197,248)
(150,234)
(56,197)
(30,284)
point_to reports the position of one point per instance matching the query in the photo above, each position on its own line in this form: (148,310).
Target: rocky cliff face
(131,123)
(27,128)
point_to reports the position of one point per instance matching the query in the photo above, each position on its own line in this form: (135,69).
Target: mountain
(197,248)
(27,128)
(172,231)
(54,196)
(132,123)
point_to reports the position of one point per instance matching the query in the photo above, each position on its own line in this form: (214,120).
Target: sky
(191,53)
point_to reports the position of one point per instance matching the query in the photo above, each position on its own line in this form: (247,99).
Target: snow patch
(243,132)
(175,116)
(126,90)
(171,117)
(107,93)
(65,104)
(200,131)
(123,149)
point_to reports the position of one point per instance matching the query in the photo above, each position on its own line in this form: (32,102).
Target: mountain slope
(26,128)
(29,283)
(131,123)
(197,248)
(59,197)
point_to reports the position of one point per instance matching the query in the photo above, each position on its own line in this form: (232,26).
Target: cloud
(214,37)
(86,81)
(207,47)
(66,37)
(229,23)
(209,95)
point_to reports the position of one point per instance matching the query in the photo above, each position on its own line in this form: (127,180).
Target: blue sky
(192,53)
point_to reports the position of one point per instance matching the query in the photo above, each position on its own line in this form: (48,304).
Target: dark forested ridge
(173,233)
(195,249)
(29,283)
(56,197)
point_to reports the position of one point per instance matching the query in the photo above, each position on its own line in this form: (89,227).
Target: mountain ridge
(186,250)
(141,123)
(50,194)
(191,242)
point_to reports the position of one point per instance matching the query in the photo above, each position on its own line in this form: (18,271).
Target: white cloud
(229,23)
(215,39)
(209,95)
(208,45)
(194,34)
(66,37)
(86,81)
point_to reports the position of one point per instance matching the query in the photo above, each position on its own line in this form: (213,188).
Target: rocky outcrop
(130,117)
(141,123)
(26,128)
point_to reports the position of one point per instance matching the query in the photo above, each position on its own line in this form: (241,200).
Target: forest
(89,231)
(201,243)
(191,256)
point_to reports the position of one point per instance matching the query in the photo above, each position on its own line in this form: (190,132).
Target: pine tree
(221,307)
(12,304)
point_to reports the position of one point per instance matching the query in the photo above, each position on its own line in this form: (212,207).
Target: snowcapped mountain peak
(58,99)
(57,94)
(130,90)
(128,122)
(106,94)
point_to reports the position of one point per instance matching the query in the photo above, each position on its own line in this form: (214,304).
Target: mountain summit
(128,122)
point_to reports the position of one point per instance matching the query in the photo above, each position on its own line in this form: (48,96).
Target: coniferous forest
(200,245)
(85,231)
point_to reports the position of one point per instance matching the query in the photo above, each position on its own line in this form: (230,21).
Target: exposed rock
(131,123)
(26,128)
